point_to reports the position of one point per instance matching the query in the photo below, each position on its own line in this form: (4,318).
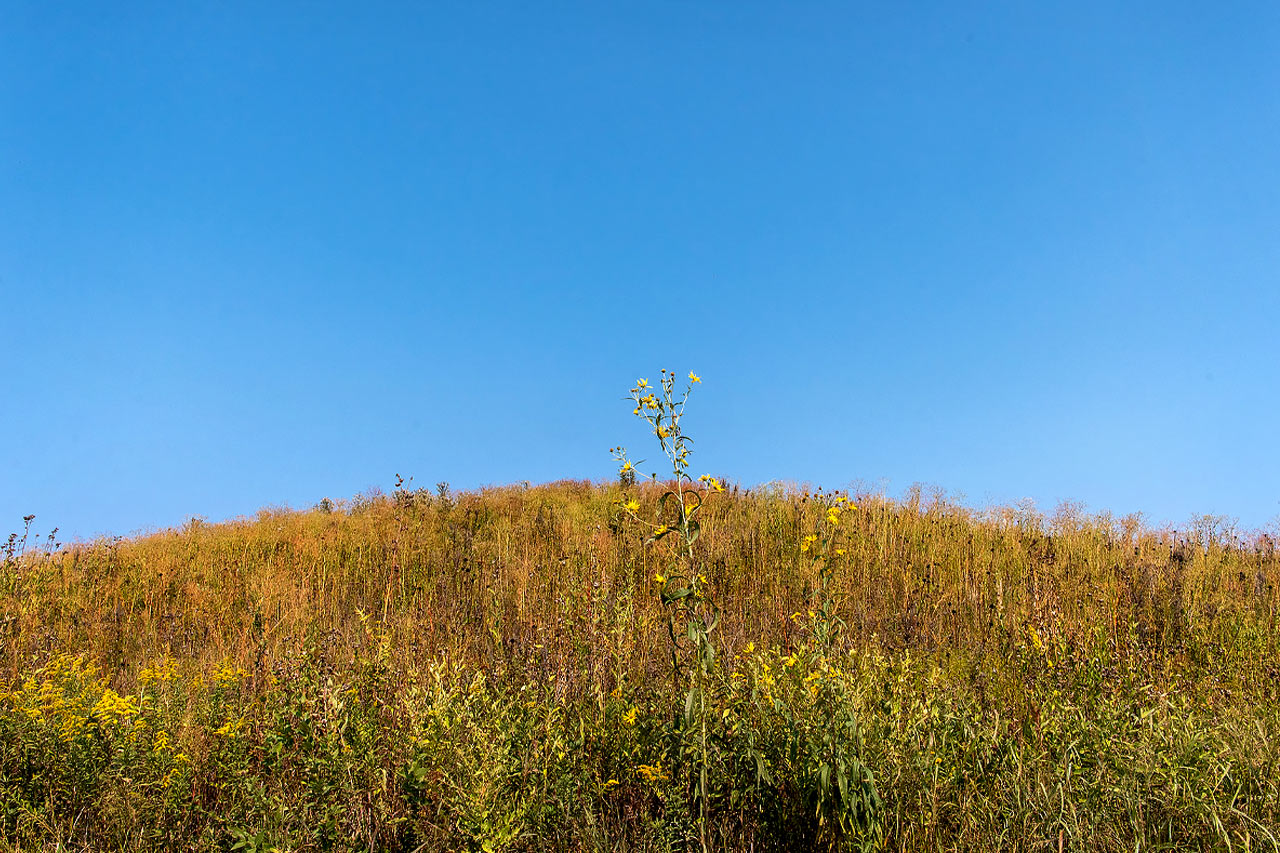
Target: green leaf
(675,595)
(762,771)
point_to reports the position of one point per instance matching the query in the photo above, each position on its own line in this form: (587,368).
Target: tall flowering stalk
(692,614)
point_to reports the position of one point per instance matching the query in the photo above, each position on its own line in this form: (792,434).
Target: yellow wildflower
(227,672)
(164,672)
(693,377)
(230,728)
(113,705)
(652,772)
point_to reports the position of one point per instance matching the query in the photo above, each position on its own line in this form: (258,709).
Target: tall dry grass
(491,670)
(548,573)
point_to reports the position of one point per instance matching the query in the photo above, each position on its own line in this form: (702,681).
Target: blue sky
(259,254)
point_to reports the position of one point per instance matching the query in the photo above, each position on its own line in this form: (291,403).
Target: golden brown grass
(981,653)
(548,570)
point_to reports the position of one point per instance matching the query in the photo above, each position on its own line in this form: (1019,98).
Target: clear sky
(262,253)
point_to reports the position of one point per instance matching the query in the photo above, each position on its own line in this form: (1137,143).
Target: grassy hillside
(652,666)
(494,671)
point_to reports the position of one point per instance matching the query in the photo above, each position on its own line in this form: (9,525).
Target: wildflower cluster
(162,673)
(228,673)
(821,546)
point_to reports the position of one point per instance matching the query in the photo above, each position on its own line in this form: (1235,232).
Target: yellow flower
(626,466)
(808,542)
(660,529)
(652,772)
(712,482)
(630,717)
(693,377)
(642,383)
(230,728)
(113,705)
(659,579)
(632,505)
(164,672)
(227,672)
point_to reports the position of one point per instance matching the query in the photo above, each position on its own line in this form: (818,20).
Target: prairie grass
(495,670)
